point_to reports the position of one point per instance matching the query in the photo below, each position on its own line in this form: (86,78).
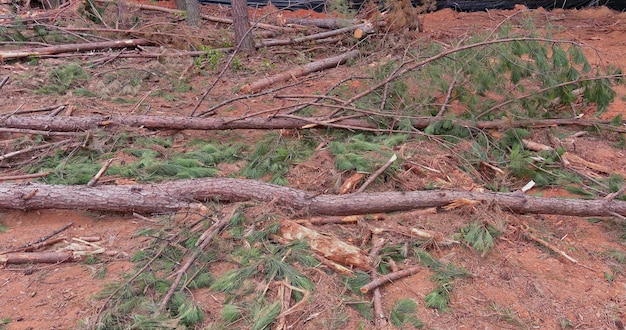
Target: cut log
(71,48)
(299,71)
(181,194)
(324,23)
(36,257)
(74,124)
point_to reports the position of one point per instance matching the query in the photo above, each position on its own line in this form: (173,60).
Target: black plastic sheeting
(462,5)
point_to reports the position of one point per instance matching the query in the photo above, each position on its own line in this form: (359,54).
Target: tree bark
(299,71)
(193,12)
(71,48)
(75,124)
(72,124)
(181,194)
(36,257)
(241,25)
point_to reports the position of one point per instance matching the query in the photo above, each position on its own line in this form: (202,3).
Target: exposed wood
(71,48)
(98,175)
(329,247)
(36,257)
(299,71)
(184,194)
(568,159)
(74,124)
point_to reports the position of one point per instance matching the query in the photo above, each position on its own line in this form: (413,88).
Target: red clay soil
(519,285)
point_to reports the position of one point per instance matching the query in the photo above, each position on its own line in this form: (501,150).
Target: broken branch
(299,71)
(389,278)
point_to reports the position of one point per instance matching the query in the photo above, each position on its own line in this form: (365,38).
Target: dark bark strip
(180,194)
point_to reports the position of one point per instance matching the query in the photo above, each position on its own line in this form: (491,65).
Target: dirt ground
(519,285)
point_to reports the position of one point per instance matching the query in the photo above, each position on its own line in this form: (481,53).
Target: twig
(141,217)
(108,299)
(448,95)
(534,93)
(24,176)
(377,173)
(98,175)
(383,100)
(36,132)
(389,278)
(551,247)
(96,13)
(295,307)
(202,242)
(616,194)
(57,110)
(4,81)
(43,239)
(33,148)
(49,108)
(317,99)
(379,313)
(212,109)
(414,65)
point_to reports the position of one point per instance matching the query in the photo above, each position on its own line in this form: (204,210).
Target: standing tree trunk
(192,9)
(241,24)
(193,12)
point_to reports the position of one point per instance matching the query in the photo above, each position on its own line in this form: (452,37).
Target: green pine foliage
(265,316)
(480,236)
(364,309)
(231,313)
(404,312)
(364,152)
(443,275)
(64,78)
(355,283)
(273,156)
(154,161)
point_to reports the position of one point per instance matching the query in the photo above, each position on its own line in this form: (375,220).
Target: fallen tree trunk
(176,195)
(300,71)
(324,23)
(74,124)
(36,257)
(71,48)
